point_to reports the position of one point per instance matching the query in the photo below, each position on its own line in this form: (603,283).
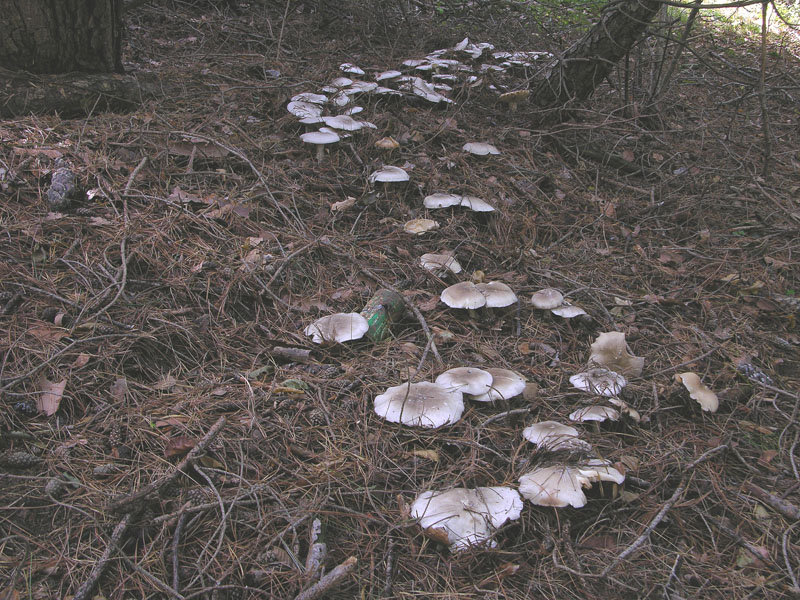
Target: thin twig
(97,571)
(120,502)
(329,581)
(136,171)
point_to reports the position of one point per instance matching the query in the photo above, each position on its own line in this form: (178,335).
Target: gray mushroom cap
(594,413)
(421,404)
(498,294)
(389,174)
(557,485)
(506,384)
(599,381)
(463,295)
(440,264)
(468,380)
(480,148)
(338,327)
(553,436)
(547,299)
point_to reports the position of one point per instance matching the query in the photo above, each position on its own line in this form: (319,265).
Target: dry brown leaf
(47,333)
(119,390)
(49,400)
(178,446)
(80,361)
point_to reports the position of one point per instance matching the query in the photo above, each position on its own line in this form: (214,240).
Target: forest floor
(165,308)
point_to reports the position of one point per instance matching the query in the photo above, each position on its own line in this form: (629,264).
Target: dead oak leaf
(49,399)
(178,446)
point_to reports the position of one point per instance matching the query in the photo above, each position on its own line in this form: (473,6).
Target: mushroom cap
(442,200)
(547,299)
(338,327)
(594,413)
(610,351)
(514,97)
(420,226)
(467,516)
(553,436)
(310,97)
(557,485)
(360,87)
(387,143)
(351,68)
(506,384)
(568,311)
(422,404)
(599,381)
(626,409)
(440,263)
(480,148)
(497,293)
(598,469)
(388,174)
(343,122)
(463,295)
(468,380)
(707,399)
(301,110)
(476,204)
(319,137)
(386,75)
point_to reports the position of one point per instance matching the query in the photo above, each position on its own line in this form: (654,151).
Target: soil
(168,431)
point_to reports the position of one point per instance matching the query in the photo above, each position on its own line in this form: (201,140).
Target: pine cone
(19,460)
(316,417)
(115,436)
(196,496)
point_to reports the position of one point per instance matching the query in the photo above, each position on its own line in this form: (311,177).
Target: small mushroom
(387,143)
(553,436)
(301,110)
(320,139)
(626,410)
(351,69)
(568,311)
(466,517)
(599,381)
(557,486)
(594,413)
(599,469)
(463,295)
(476,204)
(707,399)
(338,327)
(345,123)
(513,99)
(547,299)
(387,75)
(422,404)
(389,174)
(498,294)
(440,264)
(420,226)
(506,384)
(610,351)
(480,148)
(442,200)
(468,380)
(310,97)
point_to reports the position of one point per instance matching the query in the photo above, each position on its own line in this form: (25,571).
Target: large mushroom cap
(707,399)
(480,148)
(476,204)
(388,174)
(467,516)
(610,351)
(599,381)
(468,380)
(497,293)
(594,413)
(463,295)
(505,384)
(547,299)
(338,327)
(302,110)
(555,486)
(422,404)
(553,436)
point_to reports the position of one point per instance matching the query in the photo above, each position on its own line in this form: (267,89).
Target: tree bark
(575,75)
(59,36)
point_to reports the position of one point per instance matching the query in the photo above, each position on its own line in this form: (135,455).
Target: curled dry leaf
(707,399)
(49,400)
(178,446)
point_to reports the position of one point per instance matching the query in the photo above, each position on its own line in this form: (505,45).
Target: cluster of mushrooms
(462,517)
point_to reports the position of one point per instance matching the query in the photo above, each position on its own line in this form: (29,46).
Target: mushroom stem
(320,152)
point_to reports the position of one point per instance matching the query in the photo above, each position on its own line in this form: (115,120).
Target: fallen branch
(329,581)
(120,502)
(86,587)
(786,508)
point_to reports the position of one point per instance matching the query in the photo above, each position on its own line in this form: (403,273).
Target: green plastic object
(383,308)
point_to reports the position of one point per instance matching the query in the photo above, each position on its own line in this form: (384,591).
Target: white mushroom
(440,264)
(463,295)
(626,409)
(555,486)
(467,517)
(497,293)
(301,110)
(553,436)
(422,404)
(320,139)
(547,299)
(476,204)
(310,97)
(442,200)
(351,68)
(506,384)
(598,469)
(480,148)
(568,311)
(599,381)
(468,380)
(346,123)
(610,351)
(388,174)
(594,413)
(338,327)
(387,75)
(707,399)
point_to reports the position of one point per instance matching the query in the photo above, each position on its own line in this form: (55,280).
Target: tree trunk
(575,75)
(59,36)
